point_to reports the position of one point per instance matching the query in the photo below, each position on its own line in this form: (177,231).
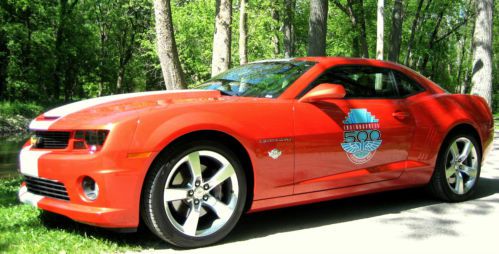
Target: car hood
(101,111)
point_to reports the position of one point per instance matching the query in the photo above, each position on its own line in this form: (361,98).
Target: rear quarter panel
(435,115)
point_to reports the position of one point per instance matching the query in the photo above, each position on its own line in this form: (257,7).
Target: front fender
(152,136)
(259,127)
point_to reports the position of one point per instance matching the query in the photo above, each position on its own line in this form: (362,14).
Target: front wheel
(196,196)
(457,169)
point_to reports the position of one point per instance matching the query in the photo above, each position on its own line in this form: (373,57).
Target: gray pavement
(407,221)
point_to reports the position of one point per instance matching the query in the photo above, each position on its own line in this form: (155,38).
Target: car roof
(332,60)
(327,60)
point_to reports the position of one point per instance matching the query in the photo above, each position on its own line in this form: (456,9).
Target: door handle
(401,115)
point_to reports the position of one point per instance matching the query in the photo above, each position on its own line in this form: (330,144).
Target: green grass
(25,229)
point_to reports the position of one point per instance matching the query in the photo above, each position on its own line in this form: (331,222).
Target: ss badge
(275,153)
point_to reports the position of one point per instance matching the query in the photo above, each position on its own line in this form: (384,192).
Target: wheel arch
(219,136)
(464,127)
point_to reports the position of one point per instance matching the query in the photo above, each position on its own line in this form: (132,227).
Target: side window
(407,86)
(361,81)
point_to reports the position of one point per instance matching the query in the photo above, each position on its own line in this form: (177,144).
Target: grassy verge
(25,229)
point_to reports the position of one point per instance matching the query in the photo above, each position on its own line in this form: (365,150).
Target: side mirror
(324,91)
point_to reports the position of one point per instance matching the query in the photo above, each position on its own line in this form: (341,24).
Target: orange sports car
(264,135)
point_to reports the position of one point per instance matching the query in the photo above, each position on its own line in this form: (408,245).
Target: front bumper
(119,178)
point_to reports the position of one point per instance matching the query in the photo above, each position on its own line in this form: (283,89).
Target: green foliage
(194,27)
(15,116)
(28,109)
(53,51)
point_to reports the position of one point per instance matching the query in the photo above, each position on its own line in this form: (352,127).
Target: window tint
(407,86)
(361,81)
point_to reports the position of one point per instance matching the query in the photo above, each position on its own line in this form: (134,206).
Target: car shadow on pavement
(267,223)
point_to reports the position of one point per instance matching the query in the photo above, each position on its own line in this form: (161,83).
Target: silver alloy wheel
(461,166)
(201,193)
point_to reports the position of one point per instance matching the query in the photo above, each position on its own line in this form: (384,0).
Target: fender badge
(275,153)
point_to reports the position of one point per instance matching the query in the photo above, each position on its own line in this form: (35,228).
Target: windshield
(261,79)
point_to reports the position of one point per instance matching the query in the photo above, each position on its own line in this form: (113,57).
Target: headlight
(93,140)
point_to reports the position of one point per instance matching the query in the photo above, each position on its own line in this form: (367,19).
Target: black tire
(439,185)
(153,210)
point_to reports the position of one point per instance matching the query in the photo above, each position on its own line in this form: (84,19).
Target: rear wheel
(457,169)
(195,197)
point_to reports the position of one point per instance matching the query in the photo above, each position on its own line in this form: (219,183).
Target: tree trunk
(4,56)
(222,37)
(275,31)
(65,9)
(354,9)
(363,34)
(433,37)
(482,50)
(413,32)
(380,27)
(460,66)
(288,28)
(120,79)
(467,76)
(70,80)
(167,48)
(102,47)
(317,28)
(461,58)
(243,32)
(59,37)
(396,32)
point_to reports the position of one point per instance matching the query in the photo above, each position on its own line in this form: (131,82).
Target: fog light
(90,188)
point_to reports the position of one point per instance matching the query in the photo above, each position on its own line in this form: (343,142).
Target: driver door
(362,138)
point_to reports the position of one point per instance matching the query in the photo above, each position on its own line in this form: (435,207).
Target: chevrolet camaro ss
(260,136)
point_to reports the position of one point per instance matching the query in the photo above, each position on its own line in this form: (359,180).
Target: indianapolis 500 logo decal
(361,135)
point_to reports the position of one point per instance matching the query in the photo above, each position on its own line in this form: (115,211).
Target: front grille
(47,188)
(51,139)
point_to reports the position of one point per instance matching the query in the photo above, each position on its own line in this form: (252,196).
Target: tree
(274,13)
(222,37)
(3,63)
(354,9)
(65,10)
(414,26)
(317,28)
(102,19)
(129,31)
(380,28)
(482,50)
(71,49)
(396,32)
(243,32)
(167,48)
(289,6)
(431,41)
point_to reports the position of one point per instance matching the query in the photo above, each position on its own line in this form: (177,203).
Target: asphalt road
(407,221)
